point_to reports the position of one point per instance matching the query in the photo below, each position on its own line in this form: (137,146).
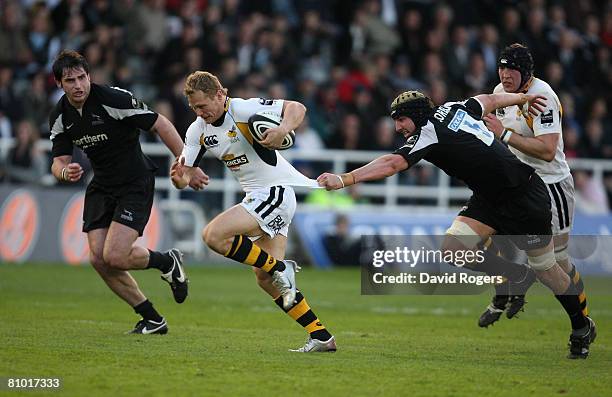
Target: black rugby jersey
(456,140)
(107,131)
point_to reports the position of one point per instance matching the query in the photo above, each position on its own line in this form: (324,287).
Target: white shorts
(273,208)
(562,205)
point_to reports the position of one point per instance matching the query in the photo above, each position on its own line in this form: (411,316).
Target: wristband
(341,181)
(506,136)
(347,179)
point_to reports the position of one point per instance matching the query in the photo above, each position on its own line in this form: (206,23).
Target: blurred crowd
(344,59)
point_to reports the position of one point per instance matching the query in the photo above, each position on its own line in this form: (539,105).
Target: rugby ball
(260,122)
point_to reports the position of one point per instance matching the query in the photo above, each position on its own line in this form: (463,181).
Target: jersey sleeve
(474,108)
(549,120)
(244,108)
(193,150)
(470,105)
(419,145)
(62,144)
(122,105)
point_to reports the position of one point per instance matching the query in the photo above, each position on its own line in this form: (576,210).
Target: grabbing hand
(177,171)
(330,181)
(537,103)
(493,124)
(198,179)
(273,138)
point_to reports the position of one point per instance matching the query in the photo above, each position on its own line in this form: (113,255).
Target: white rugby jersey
(519,120)
(254,166)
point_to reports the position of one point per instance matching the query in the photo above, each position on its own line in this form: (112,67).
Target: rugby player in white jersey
(538,142)
(253,232)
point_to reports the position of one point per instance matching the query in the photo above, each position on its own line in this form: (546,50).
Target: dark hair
(413,104)
(517,57)
(68,59)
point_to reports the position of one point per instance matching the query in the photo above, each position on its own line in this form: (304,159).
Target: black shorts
(525,218)
(129,204)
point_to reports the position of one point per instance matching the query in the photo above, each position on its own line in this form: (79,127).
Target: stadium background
(345,60)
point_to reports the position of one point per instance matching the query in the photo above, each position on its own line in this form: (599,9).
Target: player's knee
(208,235)
(460,236)
(562,258)
(97,261)
(116,260)
(215,240)
(542,263)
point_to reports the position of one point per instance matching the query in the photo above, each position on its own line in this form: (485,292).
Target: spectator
(590,194)
(385,137)
(341,58)
(457,56)
(476,79)
(13,46)
(342,248)
(26,163)
(10,105)
(380,38)
(36,103)
(348,135)
(488,46)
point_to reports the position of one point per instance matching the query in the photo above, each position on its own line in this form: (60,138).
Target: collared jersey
(456,140)
(254,166)
(107,130)
(519,120)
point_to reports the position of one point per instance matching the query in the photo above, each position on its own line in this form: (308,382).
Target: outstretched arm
(168,134)
(382,167)
(490,102)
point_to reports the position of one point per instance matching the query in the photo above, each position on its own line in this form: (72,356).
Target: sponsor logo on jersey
(276,224)
(233,163)
(127,215)
(455,123)
(209,141)
(533,239)
(90,140)
(138,104)
(411,141)
(232,134)
(96,120)
(265,101)
(441,113)
(547,118)
(501,112)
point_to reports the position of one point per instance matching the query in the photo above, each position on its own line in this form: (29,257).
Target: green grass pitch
(229,339)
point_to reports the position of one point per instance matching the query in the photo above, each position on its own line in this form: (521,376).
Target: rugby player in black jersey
(508,198)
(104,122)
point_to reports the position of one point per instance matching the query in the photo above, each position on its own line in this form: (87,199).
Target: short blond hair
(206,82)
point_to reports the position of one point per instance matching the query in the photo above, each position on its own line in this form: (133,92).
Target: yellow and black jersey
(519,120)
(230,141)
